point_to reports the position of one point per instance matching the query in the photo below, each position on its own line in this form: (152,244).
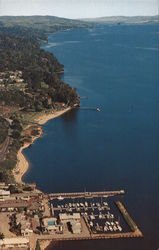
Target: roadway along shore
(22,163)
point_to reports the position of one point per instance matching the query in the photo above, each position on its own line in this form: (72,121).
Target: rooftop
(14,241)
(3,192)
(74,216)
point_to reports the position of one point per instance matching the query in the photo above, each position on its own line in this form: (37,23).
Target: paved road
(4,150)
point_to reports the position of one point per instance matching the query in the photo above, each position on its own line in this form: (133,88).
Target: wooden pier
(91,237)
(85,194)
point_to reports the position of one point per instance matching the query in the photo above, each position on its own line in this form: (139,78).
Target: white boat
(86,204)
(105,203)
(100,216)
(92,217)
(91,223)
(120,228)
(60,198)
(115,228)
(105,228)
(98,109)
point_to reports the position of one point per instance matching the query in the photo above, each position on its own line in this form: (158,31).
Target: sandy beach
(22,163)
(46,117)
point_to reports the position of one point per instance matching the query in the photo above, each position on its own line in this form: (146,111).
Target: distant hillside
(42,23)
(125,20)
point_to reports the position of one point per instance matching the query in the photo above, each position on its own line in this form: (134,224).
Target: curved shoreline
(22,165)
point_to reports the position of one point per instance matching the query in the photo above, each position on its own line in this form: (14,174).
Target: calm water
(116,68)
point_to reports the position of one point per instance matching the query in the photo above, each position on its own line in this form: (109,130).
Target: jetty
(135,230)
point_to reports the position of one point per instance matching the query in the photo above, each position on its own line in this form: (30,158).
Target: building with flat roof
(3,185)
(15,243)
(73,220)
(76,227)
(12,205)
(50,225)
(4,194)
(68,217)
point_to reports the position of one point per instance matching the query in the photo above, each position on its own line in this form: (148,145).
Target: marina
(91,215)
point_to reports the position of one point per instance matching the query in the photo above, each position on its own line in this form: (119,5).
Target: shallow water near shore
(116,69)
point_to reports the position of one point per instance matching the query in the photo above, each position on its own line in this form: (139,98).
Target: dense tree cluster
(7,165)
(29,81)
(4,125)
(20,50)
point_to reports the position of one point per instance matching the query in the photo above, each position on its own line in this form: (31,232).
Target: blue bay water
(116,68)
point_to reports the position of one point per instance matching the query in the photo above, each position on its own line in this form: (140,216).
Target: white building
(74,220)
(69,217)
(76,227)
(4,194)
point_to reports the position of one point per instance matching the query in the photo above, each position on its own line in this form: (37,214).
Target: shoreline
(46,117)
(22,165)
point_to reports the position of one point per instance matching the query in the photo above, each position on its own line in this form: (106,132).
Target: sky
(79,8)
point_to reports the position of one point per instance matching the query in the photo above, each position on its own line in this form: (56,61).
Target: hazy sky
(79,8)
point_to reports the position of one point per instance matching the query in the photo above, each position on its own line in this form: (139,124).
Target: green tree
(1,236)
(37,246)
